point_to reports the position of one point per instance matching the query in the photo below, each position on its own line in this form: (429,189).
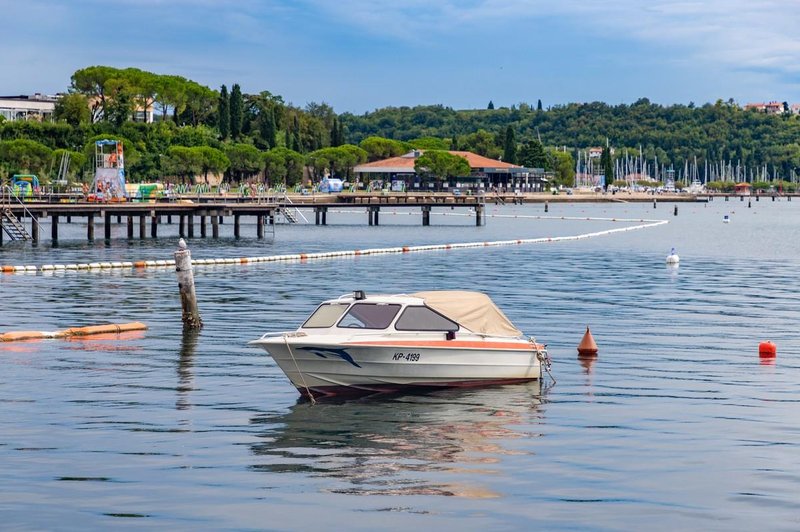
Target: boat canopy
(472,310)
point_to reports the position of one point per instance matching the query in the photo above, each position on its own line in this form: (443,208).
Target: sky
(361,55)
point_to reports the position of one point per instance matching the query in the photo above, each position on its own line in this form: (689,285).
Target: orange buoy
(767,350)
(587,347)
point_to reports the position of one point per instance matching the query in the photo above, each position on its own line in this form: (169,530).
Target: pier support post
(324,216)
(757,198)
(190,225)
(741,198)
(236,225)
(183,265)
(655,202)
(426,215)
(675,212)
(215,226)
(260,226)
(90,226)
(154,226)
(119,219)
(107,226)
(34,228)
(546,206)
(53,227)
(169,219)
(130,227)
(479,214)
(271,217)
(69,219)
(142,226)
(316,216)
(202,226)
(182,225)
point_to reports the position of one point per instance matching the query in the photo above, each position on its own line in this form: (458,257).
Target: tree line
(198,131)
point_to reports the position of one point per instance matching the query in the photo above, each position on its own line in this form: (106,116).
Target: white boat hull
(383,366)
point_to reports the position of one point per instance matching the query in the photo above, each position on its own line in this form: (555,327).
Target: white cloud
(737,33)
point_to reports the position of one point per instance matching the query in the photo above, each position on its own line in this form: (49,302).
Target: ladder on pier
(291,213)
(9,223)
(12,226)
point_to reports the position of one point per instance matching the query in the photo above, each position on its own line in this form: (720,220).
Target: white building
(38,107)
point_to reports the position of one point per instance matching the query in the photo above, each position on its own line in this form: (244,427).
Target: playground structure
(23,185)
(109,175)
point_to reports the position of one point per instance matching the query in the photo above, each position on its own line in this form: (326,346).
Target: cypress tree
(608,166)
(335,140)
(491,105)
(454,143)
(223,113)
(510,147)
(267,124)
(341,133)
(237,111)
(539,105)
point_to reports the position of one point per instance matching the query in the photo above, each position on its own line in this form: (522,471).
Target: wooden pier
(194,218)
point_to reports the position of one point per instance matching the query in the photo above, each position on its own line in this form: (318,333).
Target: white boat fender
(673,257)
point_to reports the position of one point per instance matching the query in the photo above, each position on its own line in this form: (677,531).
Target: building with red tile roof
(484,171)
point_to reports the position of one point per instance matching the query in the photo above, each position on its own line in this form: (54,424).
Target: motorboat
(358,344)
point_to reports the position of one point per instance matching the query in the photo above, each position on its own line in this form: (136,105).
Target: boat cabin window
(424,319)
(369,316)
(326,315)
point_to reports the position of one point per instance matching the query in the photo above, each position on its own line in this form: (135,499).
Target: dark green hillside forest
(197,130)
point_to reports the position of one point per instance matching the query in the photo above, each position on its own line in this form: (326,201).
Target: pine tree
(223,113)
(510,147)
(237,111)
(491,105)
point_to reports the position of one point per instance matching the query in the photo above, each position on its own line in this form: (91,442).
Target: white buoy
(673,257)
(726,219)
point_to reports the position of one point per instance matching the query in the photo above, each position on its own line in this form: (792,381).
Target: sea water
(676,424)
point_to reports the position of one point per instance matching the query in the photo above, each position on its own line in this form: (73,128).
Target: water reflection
(185,364)
(435,444)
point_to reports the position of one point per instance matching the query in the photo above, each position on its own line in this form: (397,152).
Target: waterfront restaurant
(485,173)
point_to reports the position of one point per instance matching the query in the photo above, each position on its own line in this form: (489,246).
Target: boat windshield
(326,315)
(424,319)
(369,316)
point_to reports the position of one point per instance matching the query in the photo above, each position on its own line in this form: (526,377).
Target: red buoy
(767,350)
(587,347)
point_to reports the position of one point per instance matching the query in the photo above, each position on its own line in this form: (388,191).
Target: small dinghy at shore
(359,344)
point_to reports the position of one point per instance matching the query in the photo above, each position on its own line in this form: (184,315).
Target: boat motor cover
(472,310)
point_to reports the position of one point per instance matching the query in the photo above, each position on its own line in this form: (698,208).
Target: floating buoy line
(301,257)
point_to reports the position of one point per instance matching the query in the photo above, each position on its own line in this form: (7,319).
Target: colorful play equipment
(23,185)
(109,175)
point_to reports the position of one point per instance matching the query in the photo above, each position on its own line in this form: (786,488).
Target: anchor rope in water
(294,257)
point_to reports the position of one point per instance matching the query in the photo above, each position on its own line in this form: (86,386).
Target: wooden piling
(107,226)
(260,226)
(202,226)
(130,227)
(142,226)
(215,226)
(53,227)
(183,266)
(154,226)
(90,227)
(236,225)
(34,228)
